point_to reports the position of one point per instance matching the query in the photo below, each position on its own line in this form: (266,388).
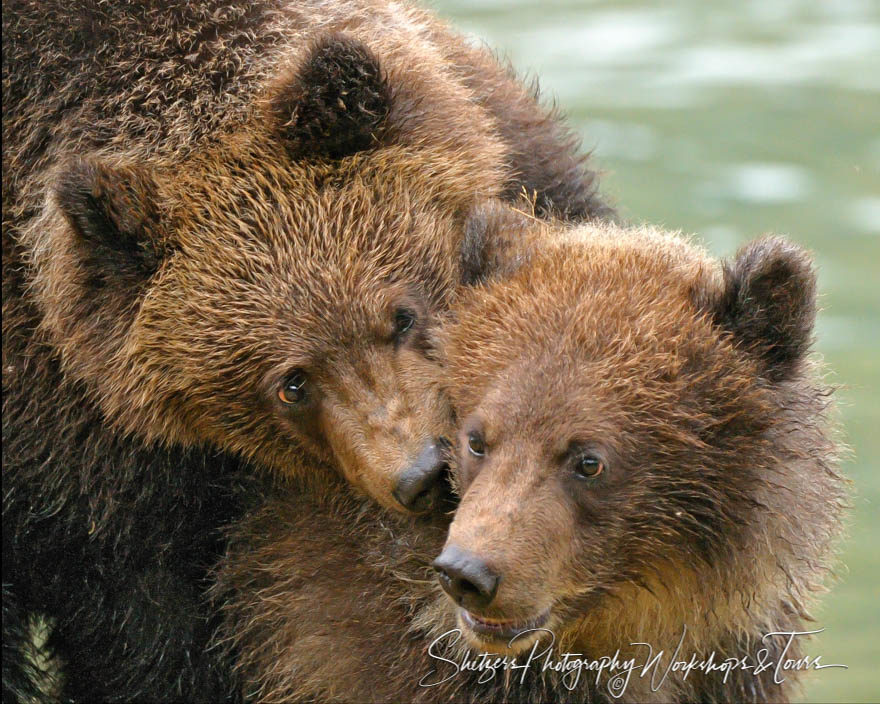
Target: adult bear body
(111,519)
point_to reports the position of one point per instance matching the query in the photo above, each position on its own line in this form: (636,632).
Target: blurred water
(730,119)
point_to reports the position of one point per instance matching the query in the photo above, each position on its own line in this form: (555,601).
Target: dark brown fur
(717,512)
(718,503)
(199,198)
(347,614)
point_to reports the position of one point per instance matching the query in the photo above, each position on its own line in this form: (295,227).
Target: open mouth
(498,630)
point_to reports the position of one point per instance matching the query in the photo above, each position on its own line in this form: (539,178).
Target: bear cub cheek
(384,423)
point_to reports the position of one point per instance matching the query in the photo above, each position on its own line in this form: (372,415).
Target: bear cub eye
(404,319)
(475,444)
(293,388)
(588,466)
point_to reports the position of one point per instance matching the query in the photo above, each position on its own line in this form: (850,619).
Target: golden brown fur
(718,511)
(218,331)
(261,264)
(278,182)
(202,202)
(718,503)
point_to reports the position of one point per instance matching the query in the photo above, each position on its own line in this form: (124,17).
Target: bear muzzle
(424,485)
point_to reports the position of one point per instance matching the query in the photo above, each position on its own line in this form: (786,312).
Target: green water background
(730,119)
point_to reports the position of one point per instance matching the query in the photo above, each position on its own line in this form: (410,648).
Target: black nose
(422,485)
(466,577)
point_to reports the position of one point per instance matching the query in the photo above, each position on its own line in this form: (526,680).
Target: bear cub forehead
(593,314)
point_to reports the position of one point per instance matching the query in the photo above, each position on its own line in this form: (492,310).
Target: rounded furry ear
(495,242)
(334,102)
(113,213)
(768,302)
(103,241)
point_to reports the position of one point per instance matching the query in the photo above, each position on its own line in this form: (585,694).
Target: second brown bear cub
(644,456)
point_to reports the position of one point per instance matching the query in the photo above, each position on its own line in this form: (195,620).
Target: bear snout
(424,484)
(466,577)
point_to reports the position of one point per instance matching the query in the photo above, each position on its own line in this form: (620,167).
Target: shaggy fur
(717,509)
(201,201)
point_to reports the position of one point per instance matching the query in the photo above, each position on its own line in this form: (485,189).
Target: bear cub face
(272,294)
(627,405)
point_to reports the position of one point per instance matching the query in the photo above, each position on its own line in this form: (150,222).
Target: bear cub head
(643,440)
(271,293)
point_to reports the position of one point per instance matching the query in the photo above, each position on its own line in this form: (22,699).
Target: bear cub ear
(336,101)
(495,243)
(113,212)
(768,302)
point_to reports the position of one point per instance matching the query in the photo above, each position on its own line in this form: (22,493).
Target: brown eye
(588,466)
(293,389)
(404,319)
(476,445)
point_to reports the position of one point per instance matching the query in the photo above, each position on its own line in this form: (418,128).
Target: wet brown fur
(719,503)
(240,199)
(718,512)
(197,199)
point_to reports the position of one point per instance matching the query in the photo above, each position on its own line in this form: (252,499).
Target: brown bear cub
(644,456)
(226,230)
